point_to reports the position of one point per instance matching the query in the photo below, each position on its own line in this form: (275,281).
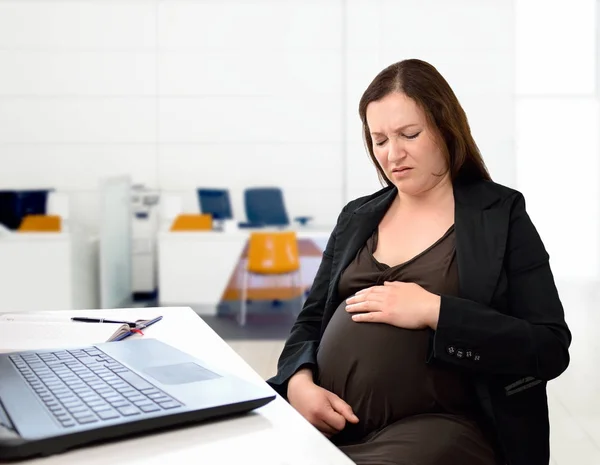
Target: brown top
(379,369)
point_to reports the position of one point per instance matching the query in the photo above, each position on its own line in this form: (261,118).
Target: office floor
(574,398)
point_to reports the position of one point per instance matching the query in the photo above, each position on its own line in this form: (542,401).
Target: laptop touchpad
(180,373)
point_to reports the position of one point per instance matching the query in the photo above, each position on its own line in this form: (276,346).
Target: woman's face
(405,145)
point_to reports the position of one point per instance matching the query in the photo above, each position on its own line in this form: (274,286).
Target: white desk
(273,434)
(53,271)
(195,267)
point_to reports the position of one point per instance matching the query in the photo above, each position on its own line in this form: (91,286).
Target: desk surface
(273,434)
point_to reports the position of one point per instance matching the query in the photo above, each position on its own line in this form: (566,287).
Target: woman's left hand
(405,305)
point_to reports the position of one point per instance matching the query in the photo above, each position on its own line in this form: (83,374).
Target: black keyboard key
(82,408)
(87,419)
(128,411)
(72,404)
(141,403)
(91,398)
(120,403)
(168,405)
(107,414)
(97,402)
(81,413)
(100,407)
(136,381)
(149,408)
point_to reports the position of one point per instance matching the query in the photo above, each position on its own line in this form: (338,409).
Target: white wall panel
(250,26)
(558,169)
(557,47)
(47,73)
(250,119)
(77,120)
(283,73)
(73,167)
(77,24)
(464,25)
(222,165)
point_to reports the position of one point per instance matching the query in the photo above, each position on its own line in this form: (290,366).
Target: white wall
(471,43)
(558,157)
(224,93)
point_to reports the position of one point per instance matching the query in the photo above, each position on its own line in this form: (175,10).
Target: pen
(101,320)
(151,322)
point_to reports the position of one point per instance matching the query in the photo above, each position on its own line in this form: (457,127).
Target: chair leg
(244,298)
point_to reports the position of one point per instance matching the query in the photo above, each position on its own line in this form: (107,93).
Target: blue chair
(216,203)
(265,206)
(15,205)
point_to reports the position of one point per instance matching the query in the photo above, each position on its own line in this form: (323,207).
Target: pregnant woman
(433,323)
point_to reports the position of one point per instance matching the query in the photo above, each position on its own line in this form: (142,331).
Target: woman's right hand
(323,409)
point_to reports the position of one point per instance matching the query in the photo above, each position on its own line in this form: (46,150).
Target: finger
(375,296)
(394,283)
(368,306)
(325,428)
(343,408)
(333,419)
(362,291)
(370,317)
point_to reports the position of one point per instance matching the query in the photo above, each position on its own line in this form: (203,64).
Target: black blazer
(506,328)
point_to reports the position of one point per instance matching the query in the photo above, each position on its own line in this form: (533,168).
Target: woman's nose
(396,151)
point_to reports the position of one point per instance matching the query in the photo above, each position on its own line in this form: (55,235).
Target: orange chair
(271,254)
(191,222)
(41,223)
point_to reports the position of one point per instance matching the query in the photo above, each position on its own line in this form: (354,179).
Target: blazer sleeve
(300,349)
(533,339)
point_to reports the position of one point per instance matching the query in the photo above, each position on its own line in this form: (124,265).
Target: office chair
(41,223)
(15,205)
(216,203)
(265,206)
(272,254)
(192,222)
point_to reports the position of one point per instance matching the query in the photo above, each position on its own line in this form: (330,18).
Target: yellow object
(41,223)
(191,222)
(273,253)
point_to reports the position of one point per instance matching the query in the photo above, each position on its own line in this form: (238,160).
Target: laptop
(55,400)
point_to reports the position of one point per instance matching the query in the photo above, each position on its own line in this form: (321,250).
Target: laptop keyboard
(85,386)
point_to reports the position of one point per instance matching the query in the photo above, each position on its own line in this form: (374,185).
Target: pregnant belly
(380,370)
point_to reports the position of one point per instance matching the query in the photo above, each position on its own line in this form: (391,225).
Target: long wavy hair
(423,83)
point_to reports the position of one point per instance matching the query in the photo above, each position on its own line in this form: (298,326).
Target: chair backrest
(273,252)
(192,222)
(41,223)
(16,204)
(265,206)
(216,203)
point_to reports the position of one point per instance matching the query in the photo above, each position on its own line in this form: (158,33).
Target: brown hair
(425,85)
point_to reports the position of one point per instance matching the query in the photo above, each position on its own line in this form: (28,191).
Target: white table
(53,271)
(195,267)
(273,434)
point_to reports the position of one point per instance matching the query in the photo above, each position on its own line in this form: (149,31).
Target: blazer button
(451,350)
(476,357)
(469,354)
(460,353)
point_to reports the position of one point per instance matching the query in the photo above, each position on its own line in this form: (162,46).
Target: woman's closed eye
(413,136)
